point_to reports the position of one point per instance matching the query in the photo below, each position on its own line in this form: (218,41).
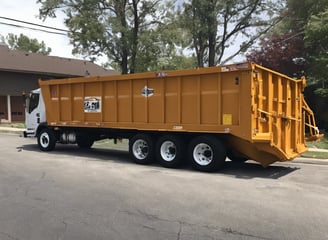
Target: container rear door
(277,111)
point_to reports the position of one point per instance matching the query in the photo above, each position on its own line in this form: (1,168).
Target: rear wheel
(206,153)
(169,151)
(46,140)
(141,149)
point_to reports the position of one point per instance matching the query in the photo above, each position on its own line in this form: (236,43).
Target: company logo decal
(92,104)
(147,92)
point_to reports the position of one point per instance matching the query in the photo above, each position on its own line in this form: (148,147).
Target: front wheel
(206,153)
(141,149)
(46,140)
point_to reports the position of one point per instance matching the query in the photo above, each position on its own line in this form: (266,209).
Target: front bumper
(29,133)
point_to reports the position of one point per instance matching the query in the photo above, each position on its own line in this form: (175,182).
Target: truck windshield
(32,102)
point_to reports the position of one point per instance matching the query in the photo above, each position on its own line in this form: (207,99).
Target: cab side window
(34,102)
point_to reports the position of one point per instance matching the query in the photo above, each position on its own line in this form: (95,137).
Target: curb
(306,160)
(317,150)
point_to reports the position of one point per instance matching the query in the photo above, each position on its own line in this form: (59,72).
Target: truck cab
(35,112)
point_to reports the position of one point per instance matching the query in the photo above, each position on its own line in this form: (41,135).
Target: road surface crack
(234,232)
(8,236)
(180,230)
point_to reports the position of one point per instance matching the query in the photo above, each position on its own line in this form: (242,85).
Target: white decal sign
(92,104)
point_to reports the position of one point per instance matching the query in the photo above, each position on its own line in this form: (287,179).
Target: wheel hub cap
(44,140)
(168,151)
(140,149)
(203,154)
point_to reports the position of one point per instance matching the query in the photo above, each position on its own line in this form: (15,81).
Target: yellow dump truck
(240,111)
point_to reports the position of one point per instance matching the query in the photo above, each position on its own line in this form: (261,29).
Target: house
(20,72)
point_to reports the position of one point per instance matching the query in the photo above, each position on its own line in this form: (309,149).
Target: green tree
(24,43)
(118,29)
(164,48)
(316,44)
(297,14)
(280,52)
(298,40)
(304,23)
(215,24)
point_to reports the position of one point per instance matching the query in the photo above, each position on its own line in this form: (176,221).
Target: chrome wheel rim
(203,154)
(168,151)
(140,149)
(44,140)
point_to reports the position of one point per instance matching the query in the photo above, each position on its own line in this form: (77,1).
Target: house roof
(20,61)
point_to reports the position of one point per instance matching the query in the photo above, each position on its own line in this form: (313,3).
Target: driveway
(100,194)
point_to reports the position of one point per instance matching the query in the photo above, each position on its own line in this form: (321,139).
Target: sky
(28,10)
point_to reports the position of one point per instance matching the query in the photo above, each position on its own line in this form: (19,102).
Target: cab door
(35,112)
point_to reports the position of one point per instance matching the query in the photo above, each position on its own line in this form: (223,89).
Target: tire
(234,157)
(141,149)
(84,142)
(47,140)
(206,153)
(170,150)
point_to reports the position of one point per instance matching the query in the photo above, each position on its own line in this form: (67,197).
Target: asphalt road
(100,194)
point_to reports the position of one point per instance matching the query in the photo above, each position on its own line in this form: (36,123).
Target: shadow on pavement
(92,154)
(252,169)
(247,170)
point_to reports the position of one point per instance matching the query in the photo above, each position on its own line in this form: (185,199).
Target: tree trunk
(212,32)
(134,39)
(125,51)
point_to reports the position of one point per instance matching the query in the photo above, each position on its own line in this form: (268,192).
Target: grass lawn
(109,144)
(319,155)
(13,125)
(322,144)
